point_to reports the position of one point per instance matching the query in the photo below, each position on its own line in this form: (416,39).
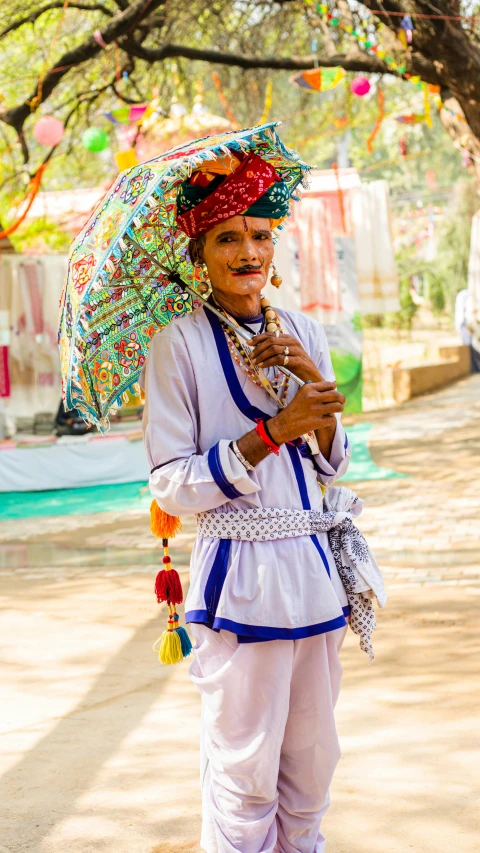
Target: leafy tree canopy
(53,61)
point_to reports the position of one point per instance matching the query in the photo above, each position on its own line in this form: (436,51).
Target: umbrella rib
(167,249)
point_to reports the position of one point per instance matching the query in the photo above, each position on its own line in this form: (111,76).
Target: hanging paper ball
(48,130)
(95,139)
(360,86)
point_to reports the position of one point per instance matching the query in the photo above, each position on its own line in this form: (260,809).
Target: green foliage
(436,294)
(451,265)
(402,320)
(442,278)
(39,237)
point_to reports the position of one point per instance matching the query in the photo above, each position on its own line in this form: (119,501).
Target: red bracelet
(262,432)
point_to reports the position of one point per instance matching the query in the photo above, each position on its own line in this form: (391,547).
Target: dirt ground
(99,742)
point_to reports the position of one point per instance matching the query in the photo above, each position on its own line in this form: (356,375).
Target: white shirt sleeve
(182,480)
(336,466)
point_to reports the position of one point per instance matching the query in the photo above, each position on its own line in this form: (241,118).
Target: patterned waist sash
(354,561)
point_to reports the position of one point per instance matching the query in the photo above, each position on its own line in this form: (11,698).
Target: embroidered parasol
(129,272)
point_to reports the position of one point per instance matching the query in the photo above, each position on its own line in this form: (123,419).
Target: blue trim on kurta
(239,397)
(218,474)
(296,460)
(256,633)
(305,451)
(216,578)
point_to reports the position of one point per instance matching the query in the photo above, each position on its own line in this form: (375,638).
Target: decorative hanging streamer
(221,97)
(411,118)
(4,372)
(402,37)
(404,32)
(380,117)
(31,193)
(126,159)
(129,114)
(100,40)
(407,27)
(323,9)
(340,197)
(426,103)
(318,79)
(268,102)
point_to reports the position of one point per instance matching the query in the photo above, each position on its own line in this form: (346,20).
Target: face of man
(238,254)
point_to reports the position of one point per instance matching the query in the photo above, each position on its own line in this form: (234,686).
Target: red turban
(235,194)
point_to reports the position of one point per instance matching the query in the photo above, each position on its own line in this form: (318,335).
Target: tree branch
(58,4)
(119,26)
(361,62)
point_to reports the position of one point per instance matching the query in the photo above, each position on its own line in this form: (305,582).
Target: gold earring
(276,279)
(204,285)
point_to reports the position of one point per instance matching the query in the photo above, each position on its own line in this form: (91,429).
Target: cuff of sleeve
(228,472)
(339,455)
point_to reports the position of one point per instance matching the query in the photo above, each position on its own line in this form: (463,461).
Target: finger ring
(285,361)
(286,351)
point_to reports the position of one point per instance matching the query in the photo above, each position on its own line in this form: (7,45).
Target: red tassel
(168,586)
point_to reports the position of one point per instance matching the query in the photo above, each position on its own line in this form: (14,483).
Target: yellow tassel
(170,649)
(163,525)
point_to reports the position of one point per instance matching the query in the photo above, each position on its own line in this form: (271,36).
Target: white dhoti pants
(269,742)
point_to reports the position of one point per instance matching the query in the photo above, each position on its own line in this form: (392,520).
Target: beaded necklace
(241,354)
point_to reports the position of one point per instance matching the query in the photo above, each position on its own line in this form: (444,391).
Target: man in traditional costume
(229,437)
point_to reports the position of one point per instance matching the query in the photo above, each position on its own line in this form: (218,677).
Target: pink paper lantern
(360,86)
(48,130)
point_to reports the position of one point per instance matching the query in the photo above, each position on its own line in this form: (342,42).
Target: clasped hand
(269,351)
(314,406)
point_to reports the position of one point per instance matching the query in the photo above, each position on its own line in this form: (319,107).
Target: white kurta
(198,401)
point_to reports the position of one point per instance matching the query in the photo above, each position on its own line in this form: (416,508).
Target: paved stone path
(99,743)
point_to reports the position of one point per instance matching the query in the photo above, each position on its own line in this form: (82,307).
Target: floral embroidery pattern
(130,353)
(82,271)
(137,185)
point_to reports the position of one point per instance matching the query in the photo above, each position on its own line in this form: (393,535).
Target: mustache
(245,268)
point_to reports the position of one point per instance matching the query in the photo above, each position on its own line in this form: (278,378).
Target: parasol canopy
(129,273)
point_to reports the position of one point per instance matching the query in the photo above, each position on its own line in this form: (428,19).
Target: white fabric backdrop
(376,268)
(71,464)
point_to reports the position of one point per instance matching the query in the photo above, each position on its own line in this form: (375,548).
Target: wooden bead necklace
(280,384)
